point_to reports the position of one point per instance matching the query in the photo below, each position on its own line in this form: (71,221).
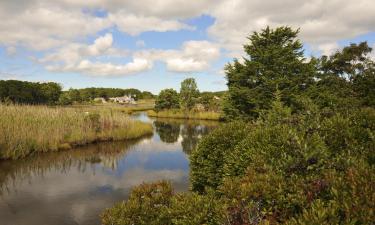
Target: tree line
(24,92)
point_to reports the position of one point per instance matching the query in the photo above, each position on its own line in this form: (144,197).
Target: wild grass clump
(180,114)
(30,129)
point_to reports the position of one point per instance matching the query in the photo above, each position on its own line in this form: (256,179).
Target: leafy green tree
(74,95)
(349,76)
(146,95)
(188,93)
(51,92)
(275,60)
(29,92)
(167,99)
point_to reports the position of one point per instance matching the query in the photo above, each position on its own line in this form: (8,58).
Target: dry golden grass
(178,114)
(28,129)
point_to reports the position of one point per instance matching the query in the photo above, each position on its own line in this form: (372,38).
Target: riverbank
(31,129)
(179,114)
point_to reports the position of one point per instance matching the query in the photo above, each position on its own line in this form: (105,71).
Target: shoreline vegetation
(297,146)
(27,130)
(180,114)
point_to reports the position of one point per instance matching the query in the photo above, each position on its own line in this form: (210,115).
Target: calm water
(73,187)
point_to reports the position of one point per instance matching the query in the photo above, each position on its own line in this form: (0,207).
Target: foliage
(155,203)
(207,161)
(275,61)
(300,149)
(147,205)
(188,93)
(24,92)
(211,101)
(167,99)
(292,168)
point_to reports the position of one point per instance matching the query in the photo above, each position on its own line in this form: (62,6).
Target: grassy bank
(178,114)
(29,129)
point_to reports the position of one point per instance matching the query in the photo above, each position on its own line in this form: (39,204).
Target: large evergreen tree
(274,61)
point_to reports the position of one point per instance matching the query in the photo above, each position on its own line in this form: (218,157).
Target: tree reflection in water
(190,131)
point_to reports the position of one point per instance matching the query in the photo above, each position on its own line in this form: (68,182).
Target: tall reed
(28,129)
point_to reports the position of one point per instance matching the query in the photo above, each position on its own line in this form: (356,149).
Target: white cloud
(140,44)
(62,26)
(320,21)
(104,69)
(328,48)
(11,50)
(42,28)
(134,25)
(194,56)
(75,58)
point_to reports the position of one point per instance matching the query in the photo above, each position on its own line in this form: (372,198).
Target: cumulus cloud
(134,25)
(42,28)
(328,48)
(74,58)
(61,27)
(194,56)
(140,44)
(321,22)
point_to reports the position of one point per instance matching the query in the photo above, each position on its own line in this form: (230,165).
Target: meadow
(26,130)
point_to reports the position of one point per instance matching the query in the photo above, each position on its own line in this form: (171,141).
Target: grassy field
(30,129)
(178,114)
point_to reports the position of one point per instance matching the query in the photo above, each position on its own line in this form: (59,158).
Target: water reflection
(190,131)
(73,187)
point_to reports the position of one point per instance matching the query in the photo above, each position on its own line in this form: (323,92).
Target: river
(74,187)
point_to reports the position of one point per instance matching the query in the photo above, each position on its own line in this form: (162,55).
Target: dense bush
(207,161)
(284,170)
(155,203)
(167,99)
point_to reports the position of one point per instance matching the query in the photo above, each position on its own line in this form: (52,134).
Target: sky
(155,44)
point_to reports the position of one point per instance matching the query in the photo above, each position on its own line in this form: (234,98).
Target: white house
(126,99)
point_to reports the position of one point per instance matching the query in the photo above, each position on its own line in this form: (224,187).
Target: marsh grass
(179,114)
(25,130)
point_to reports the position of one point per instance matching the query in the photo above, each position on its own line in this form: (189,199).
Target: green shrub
(350,200)
(147,205)
(207,161)
(156,204)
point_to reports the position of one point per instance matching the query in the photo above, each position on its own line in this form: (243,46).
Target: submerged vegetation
(298,147)
(31,129)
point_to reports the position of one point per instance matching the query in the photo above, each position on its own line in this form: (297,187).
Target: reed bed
(25,130)
(179,114)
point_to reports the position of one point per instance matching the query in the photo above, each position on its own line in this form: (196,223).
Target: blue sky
(152,45)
